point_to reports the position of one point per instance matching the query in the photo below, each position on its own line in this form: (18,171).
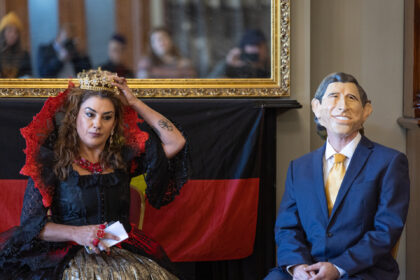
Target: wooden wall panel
(408,58)
(133,21)
(412,59)
(413,222)
(72,12)
(416,59)
(411,122)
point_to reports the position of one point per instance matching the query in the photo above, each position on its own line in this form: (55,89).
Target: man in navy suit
(351,236)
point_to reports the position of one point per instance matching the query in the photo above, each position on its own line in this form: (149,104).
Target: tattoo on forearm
(165,124)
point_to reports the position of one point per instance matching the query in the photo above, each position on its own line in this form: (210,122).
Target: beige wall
(364,38)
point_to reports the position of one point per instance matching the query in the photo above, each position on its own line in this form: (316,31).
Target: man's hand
(233,58)
(63,55)
(299,272)
(323,271)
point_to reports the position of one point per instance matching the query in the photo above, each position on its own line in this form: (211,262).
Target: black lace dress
(90,199)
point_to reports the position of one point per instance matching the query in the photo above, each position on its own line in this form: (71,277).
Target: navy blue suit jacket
(366,221)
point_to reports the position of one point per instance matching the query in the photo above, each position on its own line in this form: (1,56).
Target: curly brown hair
(66,148)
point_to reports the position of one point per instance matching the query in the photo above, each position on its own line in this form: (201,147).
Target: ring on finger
(100,233)
(95,242)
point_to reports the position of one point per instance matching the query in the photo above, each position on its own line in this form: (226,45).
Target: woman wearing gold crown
(82,148)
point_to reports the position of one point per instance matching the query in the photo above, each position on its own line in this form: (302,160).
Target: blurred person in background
(116,52)
(62,58)
(14,61)
(248,60)
(164,60)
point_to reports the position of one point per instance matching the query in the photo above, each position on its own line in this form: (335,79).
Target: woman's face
(95,122)
(161,43)
(11,35)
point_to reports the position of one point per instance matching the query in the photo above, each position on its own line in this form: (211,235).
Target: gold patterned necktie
(335,177)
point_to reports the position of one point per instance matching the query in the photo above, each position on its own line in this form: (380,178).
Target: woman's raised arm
(172,139)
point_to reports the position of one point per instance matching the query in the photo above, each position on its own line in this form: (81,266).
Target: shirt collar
(348,150)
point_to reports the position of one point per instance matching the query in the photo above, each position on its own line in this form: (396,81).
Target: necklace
(94,168)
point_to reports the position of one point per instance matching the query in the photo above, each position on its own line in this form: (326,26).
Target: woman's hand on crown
(126,95)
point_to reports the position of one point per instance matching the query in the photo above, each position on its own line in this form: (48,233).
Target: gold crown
(97,80)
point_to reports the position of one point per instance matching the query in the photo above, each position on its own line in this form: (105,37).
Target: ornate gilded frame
(276,86)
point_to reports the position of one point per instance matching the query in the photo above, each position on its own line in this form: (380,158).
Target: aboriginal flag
(215,215)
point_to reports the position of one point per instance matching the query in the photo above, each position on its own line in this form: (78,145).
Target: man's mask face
(341,111)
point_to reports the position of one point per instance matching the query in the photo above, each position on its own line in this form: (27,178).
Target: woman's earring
(111,140)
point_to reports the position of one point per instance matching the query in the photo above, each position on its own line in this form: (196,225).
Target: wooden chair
(394,251)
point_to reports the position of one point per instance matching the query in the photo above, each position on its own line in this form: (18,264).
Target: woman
(82,149)
(164,60)
(14,61)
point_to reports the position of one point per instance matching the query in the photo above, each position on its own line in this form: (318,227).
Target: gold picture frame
(276,86)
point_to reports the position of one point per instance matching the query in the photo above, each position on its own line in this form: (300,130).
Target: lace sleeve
(32,204)
(164,177)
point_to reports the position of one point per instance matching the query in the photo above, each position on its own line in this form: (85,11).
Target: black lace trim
(164,177)
(23,240)
(22,247)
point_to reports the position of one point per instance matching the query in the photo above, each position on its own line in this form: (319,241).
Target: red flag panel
(209,220)
(11,200)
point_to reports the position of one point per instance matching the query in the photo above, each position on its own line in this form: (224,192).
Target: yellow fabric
(139,184)
(335,177)
(11,19)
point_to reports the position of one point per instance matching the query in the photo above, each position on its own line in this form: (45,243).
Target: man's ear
(315,107)
(367,110)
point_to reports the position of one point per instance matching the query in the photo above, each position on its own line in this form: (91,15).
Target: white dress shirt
(348,151)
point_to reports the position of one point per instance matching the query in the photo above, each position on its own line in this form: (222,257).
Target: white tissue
(116,229)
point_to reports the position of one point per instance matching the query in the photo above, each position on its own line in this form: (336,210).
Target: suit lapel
(360,156)
(318,179)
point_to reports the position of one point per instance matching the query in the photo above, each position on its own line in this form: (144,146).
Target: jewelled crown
(97,80)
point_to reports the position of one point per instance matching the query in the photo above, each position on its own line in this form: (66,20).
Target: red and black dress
(88,199)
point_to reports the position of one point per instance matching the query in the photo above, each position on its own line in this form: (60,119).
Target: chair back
(394,251)
(137,207)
